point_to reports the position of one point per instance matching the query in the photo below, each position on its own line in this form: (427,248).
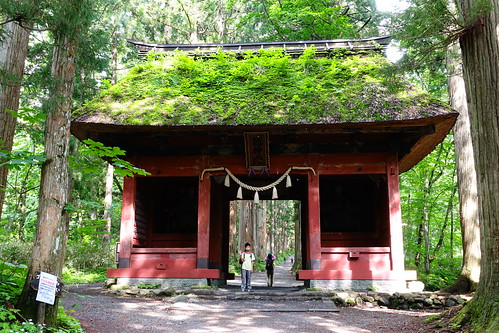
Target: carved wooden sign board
(257,150)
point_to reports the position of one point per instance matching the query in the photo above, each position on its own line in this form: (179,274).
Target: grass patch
(84,276)
(432,318)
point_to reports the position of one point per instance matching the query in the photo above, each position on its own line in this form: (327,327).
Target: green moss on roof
(266,87)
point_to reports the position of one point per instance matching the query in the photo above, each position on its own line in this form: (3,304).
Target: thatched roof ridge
(293,48)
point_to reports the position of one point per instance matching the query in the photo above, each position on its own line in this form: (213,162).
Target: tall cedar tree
(465,164)
(13,52)
(476,26)
(427,29)
(480,53)
(68,22)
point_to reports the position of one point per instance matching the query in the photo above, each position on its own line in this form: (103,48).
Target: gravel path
(104,313)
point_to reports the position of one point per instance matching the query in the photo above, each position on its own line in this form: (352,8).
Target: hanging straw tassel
(274,193)
(288,181)
(239,193)
(257,198)
(227,181)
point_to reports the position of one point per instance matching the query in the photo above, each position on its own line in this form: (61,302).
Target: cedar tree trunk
(480,52)
(13,52)
(108,204)
(49,247)
(466,175)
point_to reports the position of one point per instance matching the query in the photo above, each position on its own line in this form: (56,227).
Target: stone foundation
(162,283)
(403,301)
(386,286)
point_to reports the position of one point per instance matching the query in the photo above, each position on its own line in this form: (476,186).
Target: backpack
(270,263)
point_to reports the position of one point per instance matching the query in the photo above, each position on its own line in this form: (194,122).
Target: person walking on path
(247,261)
(269,266)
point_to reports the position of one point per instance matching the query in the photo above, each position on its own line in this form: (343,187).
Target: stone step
(268,294)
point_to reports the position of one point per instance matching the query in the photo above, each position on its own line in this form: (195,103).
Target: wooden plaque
(257,150)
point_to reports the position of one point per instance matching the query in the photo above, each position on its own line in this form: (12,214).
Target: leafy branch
(93,148)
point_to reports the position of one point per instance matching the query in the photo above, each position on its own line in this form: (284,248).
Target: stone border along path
(287,307)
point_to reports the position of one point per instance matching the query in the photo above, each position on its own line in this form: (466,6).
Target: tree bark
(108,204)
(263,229)
(480,53)
(466,175)
(242,224)
(13,52)
(233,246)
(49,247)
(297,264)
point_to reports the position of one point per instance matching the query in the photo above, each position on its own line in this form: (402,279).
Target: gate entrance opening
(270,226)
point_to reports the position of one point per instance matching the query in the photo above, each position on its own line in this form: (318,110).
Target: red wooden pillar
(314,226)
(127,221)
(396,237)
(203,244)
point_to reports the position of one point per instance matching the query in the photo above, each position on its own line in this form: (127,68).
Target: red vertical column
(127,221)
(203,244)
(314,226)
(396,237)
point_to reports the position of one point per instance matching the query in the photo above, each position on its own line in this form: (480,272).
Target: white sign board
(47,288)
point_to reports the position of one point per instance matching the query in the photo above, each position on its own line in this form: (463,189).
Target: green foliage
(83,276)
(9,323)
(89,252)
(286,20)
(97,149)
(19,159)
(148,286)
(12,278)
(430,211)
(11,281)
(267,87)
(432,318)
(259,265)
(444,272)
(67,323)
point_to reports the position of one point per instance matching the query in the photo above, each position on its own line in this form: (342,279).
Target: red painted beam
(355,249)
(356,275)
(165,250)
(163,166)
(164,274)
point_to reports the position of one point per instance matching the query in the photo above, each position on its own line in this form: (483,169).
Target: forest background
(430,204)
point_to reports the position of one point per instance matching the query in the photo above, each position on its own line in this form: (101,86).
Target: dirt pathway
(234,312)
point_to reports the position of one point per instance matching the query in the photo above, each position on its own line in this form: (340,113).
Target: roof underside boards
(178,104)
(411,139)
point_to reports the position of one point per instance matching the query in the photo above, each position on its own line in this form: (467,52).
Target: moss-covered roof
(266,87)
